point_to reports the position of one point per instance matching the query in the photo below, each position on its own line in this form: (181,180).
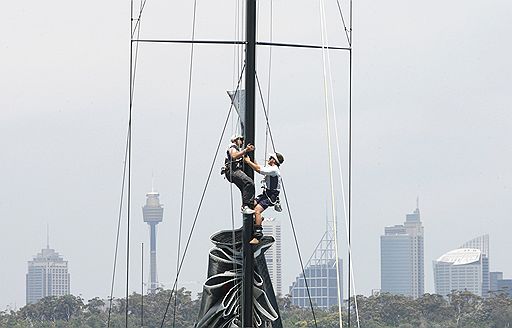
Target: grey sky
(431,118)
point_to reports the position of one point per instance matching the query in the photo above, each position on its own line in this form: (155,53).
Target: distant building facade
(272,227)
(465,268)
(47,276)
(498,285)
(402,257)
(494,277)
(323,276)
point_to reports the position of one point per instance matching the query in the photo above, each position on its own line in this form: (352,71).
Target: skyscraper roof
(461,256)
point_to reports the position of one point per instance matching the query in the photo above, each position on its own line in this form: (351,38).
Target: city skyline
(430,117)
(466,254)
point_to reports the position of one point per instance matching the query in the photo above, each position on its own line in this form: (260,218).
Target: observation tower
(153,213)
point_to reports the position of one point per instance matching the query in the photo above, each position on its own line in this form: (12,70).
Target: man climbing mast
(233,170)
(270,194)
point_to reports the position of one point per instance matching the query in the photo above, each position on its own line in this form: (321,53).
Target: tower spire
(48,236)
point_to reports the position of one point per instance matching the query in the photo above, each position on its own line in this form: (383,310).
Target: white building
(272,227)
(465,268)
(402,257)
(47,276)
(459,269)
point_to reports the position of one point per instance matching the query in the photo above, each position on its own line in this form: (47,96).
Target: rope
(288,206)
(333,200)
(187,124)
(329,70)
(298,251)
(200,204)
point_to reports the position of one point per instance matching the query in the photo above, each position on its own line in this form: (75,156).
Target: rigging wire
(287,206)
(350,158)
(118,230)
(187,124)
(127,161)
(343,22)
(142,286)
(133,69)
(137,23)
(200,202)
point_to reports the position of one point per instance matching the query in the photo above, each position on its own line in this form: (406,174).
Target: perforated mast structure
(153,213)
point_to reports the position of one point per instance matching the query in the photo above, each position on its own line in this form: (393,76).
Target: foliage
(459,309)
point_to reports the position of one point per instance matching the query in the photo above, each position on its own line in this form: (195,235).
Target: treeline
(460,309)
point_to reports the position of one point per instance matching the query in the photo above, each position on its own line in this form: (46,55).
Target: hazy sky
(431,118)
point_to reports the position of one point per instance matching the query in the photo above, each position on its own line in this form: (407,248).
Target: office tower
(47,276)
(464,268)
(402,259)
(272,227)
(321,277)
(459,270)
(153,213)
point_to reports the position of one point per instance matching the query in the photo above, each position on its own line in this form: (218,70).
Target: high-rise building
(323,276)
(402,258)
(272,227)
(464,268)
(47,276)
(459,270)
(153,213)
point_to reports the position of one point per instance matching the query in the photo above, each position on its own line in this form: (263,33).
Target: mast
(247,251)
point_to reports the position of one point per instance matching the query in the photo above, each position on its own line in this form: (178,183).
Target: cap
(236,136)
(278,157)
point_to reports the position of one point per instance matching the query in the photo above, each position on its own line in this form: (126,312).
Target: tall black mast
(250,69)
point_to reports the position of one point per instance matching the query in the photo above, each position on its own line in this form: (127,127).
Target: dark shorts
(266,199)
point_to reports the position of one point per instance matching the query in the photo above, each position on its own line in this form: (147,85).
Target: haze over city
(430,119)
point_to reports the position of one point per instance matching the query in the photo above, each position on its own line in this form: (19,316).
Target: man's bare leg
(258,218)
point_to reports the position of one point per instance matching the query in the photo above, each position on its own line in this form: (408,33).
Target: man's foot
(257,235)
(254,241)
(247,210)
